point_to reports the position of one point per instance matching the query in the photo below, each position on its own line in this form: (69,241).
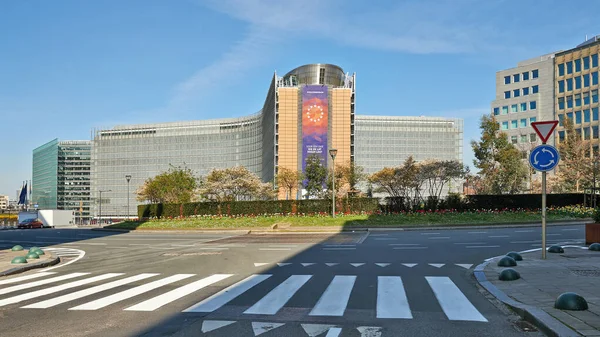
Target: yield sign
(544,129)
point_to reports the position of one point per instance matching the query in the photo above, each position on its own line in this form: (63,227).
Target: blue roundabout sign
(544,158)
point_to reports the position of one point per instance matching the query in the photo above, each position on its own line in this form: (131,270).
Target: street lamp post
(128,177)
(333,153)
(100,211)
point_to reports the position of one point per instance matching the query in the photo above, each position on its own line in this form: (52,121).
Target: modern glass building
(61,177)
(307,111)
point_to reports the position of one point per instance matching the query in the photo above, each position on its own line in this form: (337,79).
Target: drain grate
(525,326)
(586,272)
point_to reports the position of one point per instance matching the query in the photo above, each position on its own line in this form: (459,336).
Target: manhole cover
(587,272)
(525,326)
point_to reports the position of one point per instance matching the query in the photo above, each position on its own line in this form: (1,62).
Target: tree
(341,183)
(575,167)
(235,183)
(288,180)
(353,174)
(315,175)
(177,185)
(439,173)
(500,166)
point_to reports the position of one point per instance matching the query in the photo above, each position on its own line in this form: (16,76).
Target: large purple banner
(314,122)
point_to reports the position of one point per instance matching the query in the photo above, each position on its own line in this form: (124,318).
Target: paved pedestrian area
(542,281)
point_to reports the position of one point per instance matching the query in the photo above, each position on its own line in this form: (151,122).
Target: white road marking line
(481,247)
(307,264)
(260,264)
(123,295)
(339,248)
(280,264)
(410,247)
(313,330)
(182,245)
(334,300)
(139,244)
(464,265)
(283,246)
(524,231)
(278,297)
(572,229)
(439,237)
(117,247)
(25,278)
(553,234)
(81,255)
(86,292)
(369,331)
(334,332)
(391,298)
(429,233)
(165,248)
(379,235)
(498,236)
(454,303)
(331,264)
(260,328)
(470,243)
(46,291)
(404,244)
(276,249)
(40,283)
(437,265)
(529,241)
(339,245)
(409,265)
(214,248)
(93,243)
(226,295)
(356,264)
(208,326)
(175,294)
(476,232)
(385,239)
(382,264)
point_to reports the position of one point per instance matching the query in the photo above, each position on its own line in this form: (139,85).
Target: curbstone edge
(24,268)
(536,316)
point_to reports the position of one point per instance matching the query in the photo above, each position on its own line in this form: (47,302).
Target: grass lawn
(410,220)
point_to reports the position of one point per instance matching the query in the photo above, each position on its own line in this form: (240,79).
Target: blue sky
(68,66)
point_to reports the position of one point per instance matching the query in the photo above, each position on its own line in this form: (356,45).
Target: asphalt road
(380,283)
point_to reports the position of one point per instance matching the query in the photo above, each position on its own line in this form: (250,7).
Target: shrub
(596,215)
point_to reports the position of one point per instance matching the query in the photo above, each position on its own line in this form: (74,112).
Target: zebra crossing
(79,291)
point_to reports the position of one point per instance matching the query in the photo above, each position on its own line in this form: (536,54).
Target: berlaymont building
(309,110)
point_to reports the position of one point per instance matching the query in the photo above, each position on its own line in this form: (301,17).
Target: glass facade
(44,189)
(61,177)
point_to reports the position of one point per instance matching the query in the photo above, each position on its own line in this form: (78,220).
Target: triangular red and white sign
(544,129)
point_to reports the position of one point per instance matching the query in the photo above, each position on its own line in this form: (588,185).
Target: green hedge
(256,207)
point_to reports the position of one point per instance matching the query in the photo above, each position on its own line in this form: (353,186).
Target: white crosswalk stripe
(227,295)
(103,302)
(278,297)
(87,292)
(455,304)
(391,300)
(158,301)
(46,291)
(334,300)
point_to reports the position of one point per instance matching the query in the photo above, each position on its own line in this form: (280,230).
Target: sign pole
(543,215)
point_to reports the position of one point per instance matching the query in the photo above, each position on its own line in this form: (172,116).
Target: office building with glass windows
(61,177)
(576,88)
(308,111)
(525,94)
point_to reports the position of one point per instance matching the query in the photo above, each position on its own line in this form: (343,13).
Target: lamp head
(333,153)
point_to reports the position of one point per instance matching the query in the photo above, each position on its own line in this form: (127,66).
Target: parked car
(30,223)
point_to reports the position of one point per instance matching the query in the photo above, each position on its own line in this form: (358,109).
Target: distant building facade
(308,111)
(61,177)
(4,202)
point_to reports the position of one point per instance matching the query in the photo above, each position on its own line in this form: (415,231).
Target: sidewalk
(542,281)
(7,268)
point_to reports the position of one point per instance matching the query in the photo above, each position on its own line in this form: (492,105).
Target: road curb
(536,316)
(21,269)
(345,229)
